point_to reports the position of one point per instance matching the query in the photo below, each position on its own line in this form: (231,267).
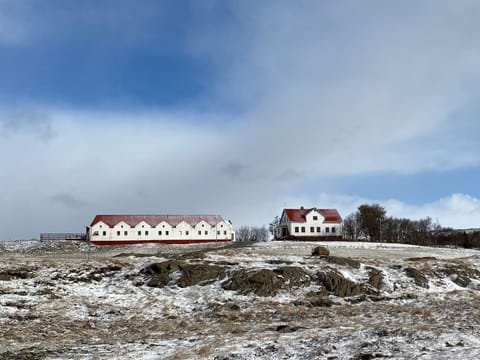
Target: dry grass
(422,311)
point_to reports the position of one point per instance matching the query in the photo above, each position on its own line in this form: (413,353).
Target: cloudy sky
(238,108)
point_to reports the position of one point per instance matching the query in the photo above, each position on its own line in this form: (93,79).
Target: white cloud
(325,90)
(457,211)
(157,163)
(354,88)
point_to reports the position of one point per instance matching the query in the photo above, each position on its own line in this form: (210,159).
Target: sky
(239,108)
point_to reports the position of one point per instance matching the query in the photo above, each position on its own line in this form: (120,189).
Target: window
(146,232)
(167,232)
(186,232)
(303,229)
(104,233)
(221,225)
(160,233)
(218,232)
(100,226)
(319,229)
(296,229)
(312,229)
(334,229)
(315,218)
(118,233)
(125,233)
(327,229)
(139,233)
(206,232)
(121,226)
(143,226)
(95,233)
(203,225)
(224,232)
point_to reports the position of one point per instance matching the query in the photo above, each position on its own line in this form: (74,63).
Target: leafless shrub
(252,234)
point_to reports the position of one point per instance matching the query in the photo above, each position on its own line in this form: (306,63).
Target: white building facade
(309,224)
(167,229)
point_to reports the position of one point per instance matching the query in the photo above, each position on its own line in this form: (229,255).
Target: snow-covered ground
(69,301)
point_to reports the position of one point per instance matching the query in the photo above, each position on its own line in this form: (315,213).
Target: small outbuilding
(309,225)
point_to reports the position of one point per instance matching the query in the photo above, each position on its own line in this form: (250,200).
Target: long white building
(166,229)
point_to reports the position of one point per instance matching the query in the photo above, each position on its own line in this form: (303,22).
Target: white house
(166,229)
(309,224)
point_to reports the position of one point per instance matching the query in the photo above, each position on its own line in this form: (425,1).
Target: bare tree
(351,228)
(273,226)
(252,234)
(243,233)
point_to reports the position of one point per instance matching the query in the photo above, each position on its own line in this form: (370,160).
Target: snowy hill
(262,301)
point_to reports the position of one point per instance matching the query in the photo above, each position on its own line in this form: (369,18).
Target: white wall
(143,231)
(316,220)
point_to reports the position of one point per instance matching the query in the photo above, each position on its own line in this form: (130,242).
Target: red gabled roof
(154,220)
(298,215)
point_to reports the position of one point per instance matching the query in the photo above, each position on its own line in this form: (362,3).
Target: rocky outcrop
(19,273)
(419,278)
(199,274)
(336,284)
(375,278)
(343,261)
(262,282)
(293,276)
(460,274)
(160,274)
(320,251)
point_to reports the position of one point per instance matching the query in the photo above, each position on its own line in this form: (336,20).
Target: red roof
(154,220)
(298,215)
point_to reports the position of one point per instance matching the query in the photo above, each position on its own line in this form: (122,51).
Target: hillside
(262,301)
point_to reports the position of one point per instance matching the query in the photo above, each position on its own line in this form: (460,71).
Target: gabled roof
(154,220)
(298,215)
